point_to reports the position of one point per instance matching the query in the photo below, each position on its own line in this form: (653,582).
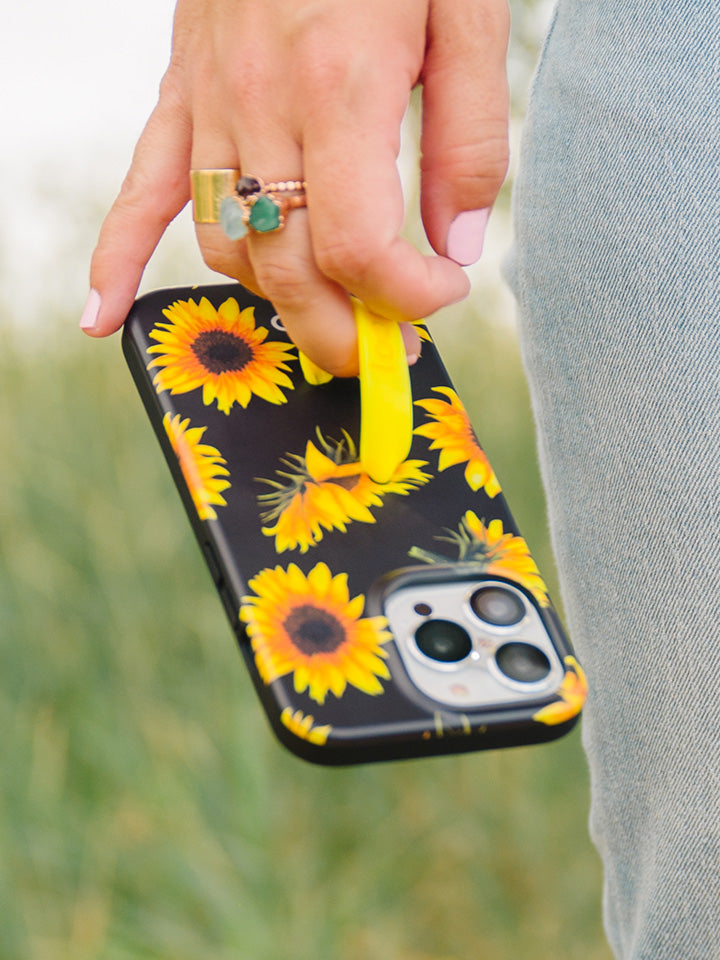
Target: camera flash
(459,690)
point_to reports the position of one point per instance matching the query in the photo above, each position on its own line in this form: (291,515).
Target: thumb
(465,123)
(155,190)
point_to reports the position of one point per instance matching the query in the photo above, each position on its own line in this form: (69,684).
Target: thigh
(616,269)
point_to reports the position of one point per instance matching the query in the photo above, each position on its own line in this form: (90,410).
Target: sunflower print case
(378,620)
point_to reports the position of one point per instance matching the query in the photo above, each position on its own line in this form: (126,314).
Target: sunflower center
(220,351)
(314,630)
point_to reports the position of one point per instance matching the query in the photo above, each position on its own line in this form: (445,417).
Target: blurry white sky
(73,69)
(77,81)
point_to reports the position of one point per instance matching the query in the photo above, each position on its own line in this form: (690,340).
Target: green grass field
(146,812)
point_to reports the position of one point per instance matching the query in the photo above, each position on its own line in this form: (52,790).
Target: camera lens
(522,662)
(497,606)
(443,640)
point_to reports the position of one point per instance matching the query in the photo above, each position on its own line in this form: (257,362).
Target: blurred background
(146,812)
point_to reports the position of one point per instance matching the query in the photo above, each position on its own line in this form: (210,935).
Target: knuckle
(323,68)
(152,192)
(171,91)
(496,20)
(322,76)
(217,257)
(285,278)
(477,168)
(139,199)
(345,258)
(135,189)
(247,78)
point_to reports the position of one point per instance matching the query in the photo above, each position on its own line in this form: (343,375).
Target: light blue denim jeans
(616,269)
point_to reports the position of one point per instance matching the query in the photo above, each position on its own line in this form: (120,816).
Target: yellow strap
(386,412)
(386,415)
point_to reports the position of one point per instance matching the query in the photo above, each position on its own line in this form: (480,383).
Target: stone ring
(240,203)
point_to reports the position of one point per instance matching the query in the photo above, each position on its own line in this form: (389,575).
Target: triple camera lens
(448,642)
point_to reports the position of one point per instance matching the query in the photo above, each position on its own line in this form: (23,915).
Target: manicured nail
(466,236)
(88,320)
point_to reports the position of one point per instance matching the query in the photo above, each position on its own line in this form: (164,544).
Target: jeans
(616,269)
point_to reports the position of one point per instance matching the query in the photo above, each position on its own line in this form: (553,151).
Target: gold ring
(242,203)
(208,188)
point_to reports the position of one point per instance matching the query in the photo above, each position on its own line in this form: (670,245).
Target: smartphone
(378,620)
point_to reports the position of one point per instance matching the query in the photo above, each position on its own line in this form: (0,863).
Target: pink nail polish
(466,236)
(88,320)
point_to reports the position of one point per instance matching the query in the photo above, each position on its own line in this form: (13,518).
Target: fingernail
(412,359)
(88,320)
(466,236)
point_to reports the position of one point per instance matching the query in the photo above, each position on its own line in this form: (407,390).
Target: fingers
(355,203)
(319,93)
(333,248)
(355,208)
(315,311)
(155,190)
(284,266)
(279,265)
(465,109)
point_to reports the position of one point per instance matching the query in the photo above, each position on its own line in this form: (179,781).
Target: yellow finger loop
(385,395)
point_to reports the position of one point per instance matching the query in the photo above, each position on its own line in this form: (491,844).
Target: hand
(316,90)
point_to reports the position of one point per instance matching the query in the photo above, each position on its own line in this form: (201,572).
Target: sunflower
(325,490)
(572,692)
(202,465)
(453,435)
(498,553)
(221,351)
(309,626)
(304,726)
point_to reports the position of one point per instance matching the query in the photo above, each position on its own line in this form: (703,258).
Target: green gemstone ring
(243,203)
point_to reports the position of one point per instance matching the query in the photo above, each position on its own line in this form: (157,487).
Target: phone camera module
(443,640)
(497,606)
(522,662)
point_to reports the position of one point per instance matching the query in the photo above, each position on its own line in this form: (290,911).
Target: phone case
(377,620)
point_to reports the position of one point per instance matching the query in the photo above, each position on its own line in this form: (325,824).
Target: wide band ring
(208,188)
(241,203)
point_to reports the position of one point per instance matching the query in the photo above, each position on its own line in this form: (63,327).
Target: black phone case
(304,548)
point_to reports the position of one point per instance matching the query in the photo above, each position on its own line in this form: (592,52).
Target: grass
(146,812)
